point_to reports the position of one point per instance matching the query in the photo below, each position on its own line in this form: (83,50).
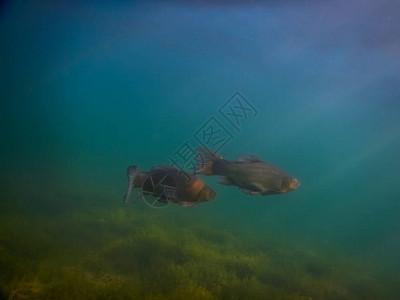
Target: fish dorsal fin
(248,158)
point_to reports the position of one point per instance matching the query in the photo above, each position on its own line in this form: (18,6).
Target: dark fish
(169,185)
(252,175)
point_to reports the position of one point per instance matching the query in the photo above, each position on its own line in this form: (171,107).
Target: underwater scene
(200,149)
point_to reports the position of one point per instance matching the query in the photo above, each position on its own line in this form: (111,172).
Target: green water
(88,88)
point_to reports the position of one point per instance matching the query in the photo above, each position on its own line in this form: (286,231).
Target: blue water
(88,88)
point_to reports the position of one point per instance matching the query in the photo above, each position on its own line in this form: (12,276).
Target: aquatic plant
(122,253)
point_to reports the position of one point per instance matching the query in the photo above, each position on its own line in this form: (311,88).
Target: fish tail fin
(132,173)
(206,160)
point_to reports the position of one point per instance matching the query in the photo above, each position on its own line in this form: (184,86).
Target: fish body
(252,175)
(169,185)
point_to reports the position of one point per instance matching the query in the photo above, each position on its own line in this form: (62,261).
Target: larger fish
(169,185)
(252,175)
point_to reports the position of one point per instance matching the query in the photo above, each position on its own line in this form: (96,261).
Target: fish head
(199,190)
(206,194)
(289,184)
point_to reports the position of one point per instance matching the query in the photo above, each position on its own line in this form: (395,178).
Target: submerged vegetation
(125,253)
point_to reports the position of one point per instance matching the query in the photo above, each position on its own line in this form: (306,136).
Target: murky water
(90,88)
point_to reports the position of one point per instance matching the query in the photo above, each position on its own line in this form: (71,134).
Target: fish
(249,173)
(169,185)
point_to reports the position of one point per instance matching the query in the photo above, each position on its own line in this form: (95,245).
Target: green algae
(144,254)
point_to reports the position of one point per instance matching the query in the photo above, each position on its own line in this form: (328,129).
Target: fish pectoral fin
(188,204)
(250,192)
(224,181)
